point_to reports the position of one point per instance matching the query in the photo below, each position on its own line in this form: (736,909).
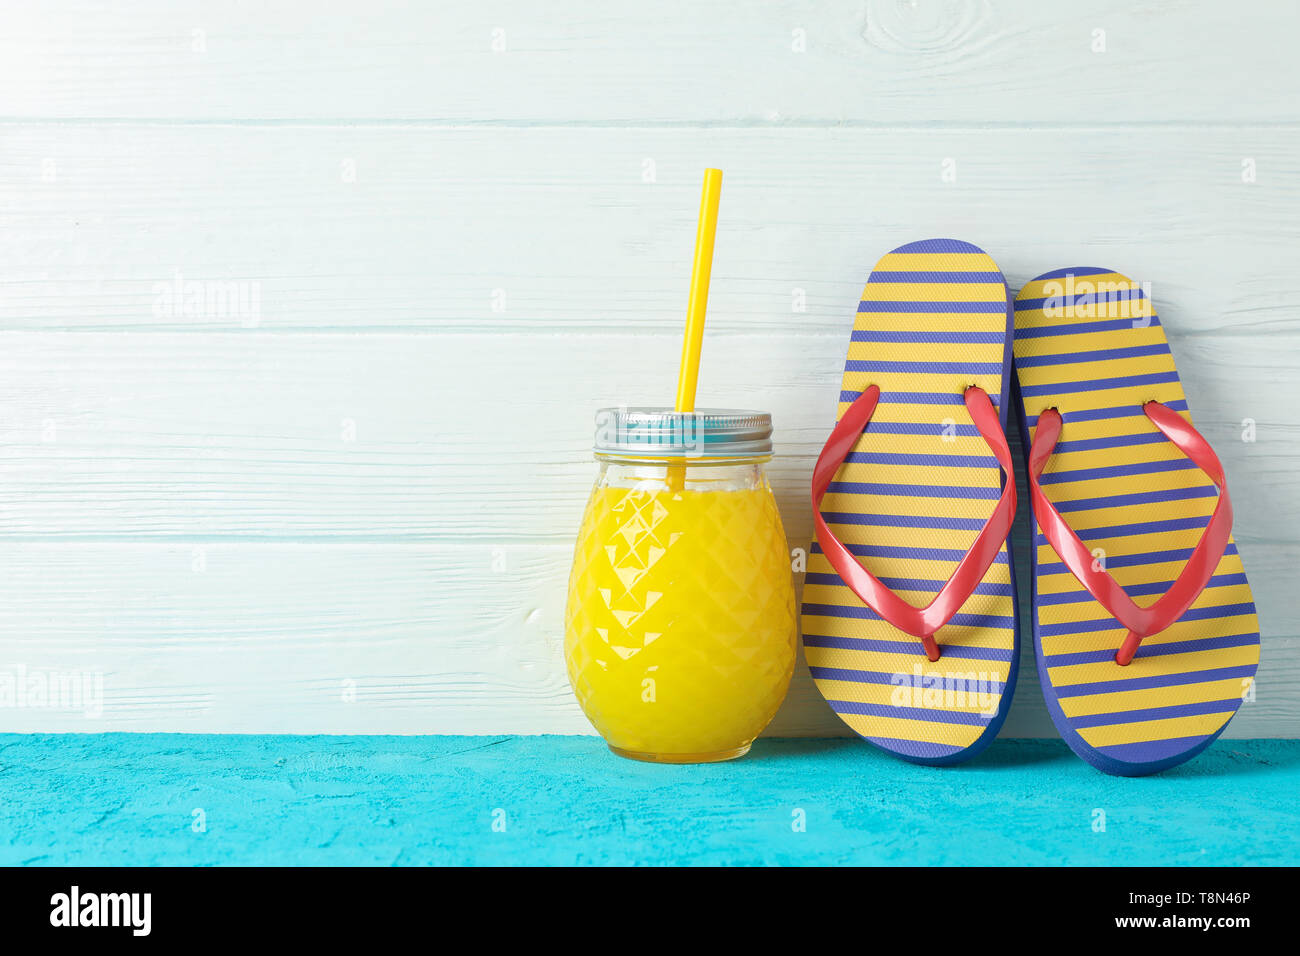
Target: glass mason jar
(680,628)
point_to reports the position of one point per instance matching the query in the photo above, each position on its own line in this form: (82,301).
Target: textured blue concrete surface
(117,799)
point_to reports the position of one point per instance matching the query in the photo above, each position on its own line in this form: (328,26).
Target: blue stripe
(859,677)
(924,749)
(926,276)
(924,681)
(1114,441)
(1156,713)
(953,308)
(958,338)
(930,714)
(907,647)
(1098,384)
(1140,590)
(1110,624)
(924,368)
(1158,680)
(1097,355)
(910,584)
(1150,751)
(915,398)
(1075,328)
(1141,527)
(920,554)
(932,461)
(1154,650)
(1136,498)
(939,245)
(1134,560)
(913,491)
(863,613)
(1114,411)
(1115,471)
(941,523)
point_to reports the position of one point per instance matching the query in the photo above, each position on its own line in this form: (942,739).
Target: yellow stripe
(912,414)
(976,701)
(929,352)
(970,509)
(1149,730)
(1137,424)
(854,534)
(874,660)
(893,474)
(935,262)
(933,292)
(1103,368)
(1088,610)
(1111,517)
(929,570)
(1144,574)
(956,735)
(1139,312)
(953,635)
(905,665)
(1054,644)
(918,322)
(1071,674)
(1087,341)
(840,595)
(1122,455)
(1120,701)
(1089,488)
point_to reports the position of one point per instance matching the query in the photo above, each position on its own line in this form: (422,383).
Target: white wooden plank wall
(337,491)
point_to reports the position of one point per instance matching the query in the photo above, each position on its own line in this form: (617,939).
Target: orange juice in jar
(680,626)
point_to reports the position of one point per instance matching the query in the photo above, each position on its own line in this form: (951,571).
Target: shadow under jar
(680,628)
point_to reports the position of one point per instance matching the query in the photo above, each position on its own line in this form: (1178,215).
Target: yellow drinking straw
(703,267)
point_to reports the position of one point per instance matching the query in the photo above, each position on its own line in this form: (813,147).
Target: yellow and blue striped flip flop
(902,498)
(1130,503)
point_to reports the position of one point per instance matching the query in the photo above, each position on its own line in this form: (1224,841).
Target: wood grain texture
(591,61)
(557,230)
(304,316)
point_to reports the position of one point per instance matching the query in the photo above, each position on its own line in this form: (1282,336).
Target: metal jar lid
(664,433)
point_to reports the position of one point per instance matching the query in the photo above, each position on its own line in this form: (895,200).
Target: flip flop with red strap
(909,608)
(1130,501)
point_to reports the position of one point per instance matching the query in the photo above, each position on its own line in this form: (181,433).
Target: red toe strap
(919,622)
(1141,622)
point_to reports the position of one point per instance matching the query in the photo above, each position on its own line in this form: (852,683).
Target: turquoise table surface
(132,799)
